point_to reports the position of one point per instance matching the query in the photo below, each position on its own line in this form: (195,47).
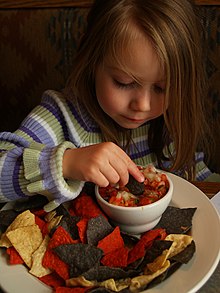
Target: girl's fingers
(135,172)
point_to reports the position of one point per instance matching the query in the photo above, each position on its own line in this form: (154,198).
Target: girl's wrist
(67,159)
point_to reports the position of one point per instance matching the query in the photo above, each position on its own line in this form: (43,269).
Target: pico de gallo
(156,185)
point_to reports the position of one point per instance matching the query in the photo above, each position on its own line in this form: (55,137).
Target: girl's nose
(141,101)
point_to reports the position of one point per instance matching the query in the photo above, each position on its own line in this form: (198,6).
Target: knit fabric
(31,157)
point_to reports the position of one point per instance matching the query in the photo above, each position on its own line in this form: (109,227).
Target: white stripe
(67,118)
(2,162)
(48,129)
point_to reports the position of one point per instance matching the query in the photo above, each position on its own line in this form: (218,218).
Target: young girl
(135,97)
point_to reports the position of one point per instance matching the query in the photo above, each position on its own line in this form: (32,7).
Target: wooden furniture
(10,4)
(209,188)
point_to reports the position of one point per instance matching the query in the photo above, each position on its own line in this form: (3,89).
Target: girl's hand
(103,164)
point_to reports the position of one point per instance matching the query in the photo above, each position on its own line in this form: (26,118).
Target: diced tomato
(144,201)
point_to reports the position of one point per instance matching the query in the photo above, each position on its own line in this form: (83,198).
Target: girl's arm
(51,154)
(31,157)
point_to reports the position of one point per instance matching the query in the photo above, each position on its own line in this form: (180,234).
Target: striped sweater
(31,157)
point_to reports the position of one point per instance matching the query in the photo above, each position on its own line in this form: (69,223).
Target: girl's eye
(158,89)
(124,85)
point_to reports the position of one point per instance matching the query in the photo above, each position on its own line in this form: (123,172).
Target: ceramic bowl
(136,220)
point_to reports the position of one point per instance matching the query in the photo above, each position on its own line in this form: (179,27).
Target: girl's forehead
(138,59)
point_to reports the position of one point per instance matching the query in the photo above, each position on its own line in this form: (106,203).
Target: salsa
(156,185)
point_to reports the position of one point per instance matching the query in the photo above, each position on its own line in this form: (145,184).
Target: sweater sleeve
(203,173)
(31,157)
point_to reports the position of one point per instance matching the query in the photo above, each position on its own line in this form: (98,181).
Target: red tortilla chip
(15,257)
(71,211)
(117,258)
(138,251)
(42,225)
(82,227)
(111,242)
(53,262)
(60,236)
(52,280)
(40,213)
(85,206)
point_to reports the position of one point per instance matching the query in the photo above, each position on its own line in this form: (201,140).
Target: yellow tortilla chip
(158,263)
(22,220)
(180,242)
(139,282)
(26,240)
(108,284)
(115,285)
(49,216)
(54,222)
(80,282)
(37,269)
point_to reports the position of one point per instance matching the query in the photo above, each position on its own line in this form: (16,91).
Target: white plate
(187,279)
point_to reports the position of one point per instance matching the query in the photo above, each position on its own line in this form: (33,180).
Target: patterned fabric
(31,157)
(37,48)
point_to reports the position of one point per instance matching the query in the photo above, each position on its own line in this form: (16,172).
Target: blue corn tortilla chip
(30,203)
(6,218)
(177,220)
(171,270)
(61,210)
(81,257)
(102,273)
(185,256)
(97,229)
(135,187)
(69,222)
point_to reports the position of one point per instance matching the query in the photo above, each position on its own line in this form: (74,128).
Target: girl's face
(135,98)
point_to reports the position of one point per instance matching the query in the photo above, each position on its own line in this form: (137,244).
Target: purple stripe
(30,133)
(138,155)
(58,115)
(16,178)
(14,138)
(34,127)
(10,172)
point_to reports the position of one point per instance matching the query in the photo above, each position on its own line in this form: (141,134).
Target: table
(213,284)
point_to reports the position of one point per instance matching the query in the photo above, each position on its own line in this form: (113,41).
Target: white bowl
(136,220)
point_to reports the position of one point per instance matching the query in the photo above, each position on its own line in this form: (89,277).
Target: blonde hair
(175,32)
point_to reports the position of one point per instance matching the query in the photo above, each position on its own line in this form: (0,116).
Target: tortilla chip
(102,273)
(97,229)
(86,207)
(53,280)
(177,220)
(185,256)
(37,269)
(180,242)
(111,242)
(158,263)
(23,220)
(140,282)
(32,202)
(81,257)
(80,282)
(26,240)
(15,258)
(117,258)
(115,286)
(6,218)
